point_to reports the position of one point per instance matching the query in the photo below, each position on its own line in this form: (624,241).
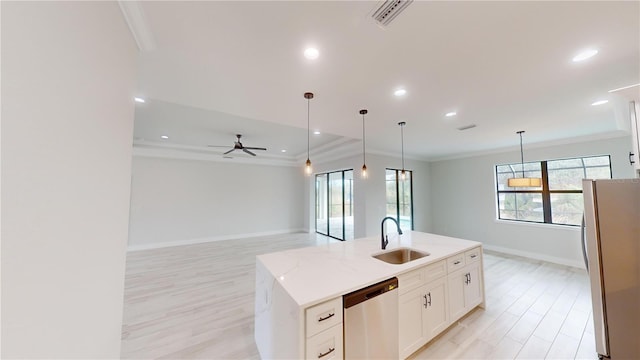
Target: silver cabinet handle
(425,301)
(327,353)
(325,318)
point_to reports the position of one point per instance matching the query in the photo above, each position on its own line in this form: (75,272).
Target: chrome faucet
(385,238)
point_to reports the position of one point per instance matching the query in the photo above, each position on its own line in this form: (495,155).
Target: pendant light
(363,112)
(307,168)
(523,181)
(403,174)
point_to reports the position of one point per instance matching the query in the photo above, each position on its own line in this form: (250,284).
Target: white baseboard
(209,239)
(536,256)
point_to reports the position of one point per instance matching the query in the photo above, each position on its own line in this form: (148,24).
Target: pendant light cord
(308,127)
(364,156)
(521,153)
(402,136)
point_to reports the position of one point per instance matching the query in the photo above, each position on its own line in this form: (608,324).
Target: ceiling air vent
(389,10)
(467,127)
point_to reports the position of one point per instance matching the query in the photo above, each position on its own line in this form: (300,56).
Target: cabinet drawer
(324,316)
(472,255)
(326,345)
(455,262)
(435,271)
(410,280)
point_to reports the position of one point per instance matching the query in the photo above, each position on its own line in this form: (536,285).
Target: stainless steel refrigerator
(611,243)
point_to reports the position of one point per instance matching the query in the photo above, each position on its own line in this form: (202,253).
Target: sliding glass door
(400,197)
(322,202)
(334,204)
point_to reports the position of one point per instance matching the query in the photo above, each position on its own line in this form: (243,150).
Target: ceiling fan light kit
(307,169)
(523,181)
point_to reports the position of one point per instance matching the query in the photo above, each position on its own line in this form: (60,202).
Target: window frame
(546,191)
(328,202)
(397,183)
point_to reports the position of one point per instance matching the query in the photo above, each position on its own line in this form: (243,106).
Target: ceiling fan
(237,145)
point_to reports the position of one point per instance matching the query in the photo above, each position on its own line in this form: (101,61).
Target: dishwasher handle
(370,292)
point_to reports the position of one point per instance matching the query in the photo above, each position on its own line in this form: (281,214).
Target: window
(559,199)
(334,204)
(400,197)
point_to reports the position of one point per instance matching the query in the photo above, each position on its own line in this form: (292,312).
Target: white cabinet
(433,297)
(411,331)
(324,330)
(436,312)
(465,285)
(634,155)
(422,315)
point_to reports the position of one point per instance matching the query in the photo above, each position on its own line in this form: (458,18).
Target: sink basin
(400,255)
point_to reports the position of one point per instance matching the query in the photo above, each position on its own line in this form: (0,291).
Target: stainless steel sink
(400,255)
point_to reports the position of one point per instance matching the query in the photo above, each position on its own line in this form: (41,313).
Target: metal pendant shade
(523,181)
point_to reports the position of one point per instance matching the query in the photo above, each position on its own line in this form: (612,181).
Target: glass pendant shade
(307,168)
(523,181)
(364,171)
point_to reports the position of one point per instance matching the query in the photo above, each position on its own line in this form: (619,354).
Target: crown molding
(568,141)
(186,152)
(135,18)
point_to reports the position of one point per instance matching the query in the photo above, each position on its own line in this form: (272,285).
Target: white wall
(369,194)
(68,74)
(464,201)
(187,201)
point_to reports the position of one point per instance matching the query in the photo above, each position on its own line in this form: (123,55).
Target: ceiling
(209,70)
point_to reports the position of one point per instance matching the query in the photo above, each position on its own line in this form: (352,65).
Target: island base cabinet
(326,345)
(465,290)
(422,315)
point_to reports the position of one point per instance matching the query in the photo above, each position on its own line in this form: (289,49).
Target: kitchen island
(299,308)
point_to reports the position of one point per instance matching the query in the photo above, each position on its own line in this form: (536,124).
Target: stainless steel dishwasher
(371,322)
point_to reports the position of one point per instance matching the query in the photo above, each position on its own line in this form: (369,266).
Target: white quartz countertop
(312,275)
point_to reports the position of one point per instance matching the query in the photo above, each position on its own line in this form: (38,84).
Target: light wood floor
(196,301)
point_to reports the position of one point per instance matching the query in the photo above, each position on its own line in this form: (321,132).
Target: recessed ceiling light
(138,100)
(400,92)
(600,102)
(164,136)
(585,55)
(316,132)
(311,53)
(450,114)
(283,150)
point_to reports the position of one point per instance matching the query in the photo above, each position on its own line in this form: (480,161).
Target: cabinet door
(473,287)
(411,331)
(436,317)
(457,283)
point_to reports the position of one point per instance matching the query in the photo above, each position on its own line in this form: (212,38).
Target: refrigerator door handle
(583,241)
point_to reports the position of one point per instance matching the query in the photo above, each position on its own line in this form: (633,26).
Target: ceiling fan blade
(224,146)
(248,152)
(228,152)
(254,148)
